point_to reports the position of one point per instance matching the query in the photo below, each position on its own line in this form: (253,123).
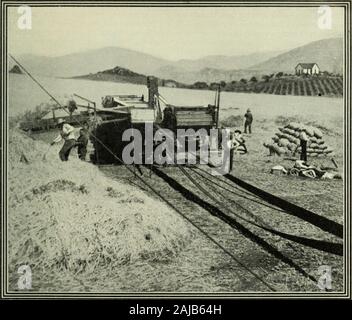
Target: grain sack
(314,146)
(279,135)
(283,142)
(313,139)
(294,125)
(291,139)
(318,133)
(309,131)
(297,142)
(275,139)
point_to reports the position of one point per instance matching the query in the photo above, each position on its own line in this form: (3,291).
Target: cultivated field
(298,86)
(323,85)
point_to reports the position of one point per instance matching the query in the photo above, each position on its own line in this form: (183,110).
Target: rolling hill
(116,74)
(188,70)
(327,53)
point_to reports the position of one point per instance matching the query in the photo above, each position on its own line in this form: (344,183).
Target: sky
(170,33)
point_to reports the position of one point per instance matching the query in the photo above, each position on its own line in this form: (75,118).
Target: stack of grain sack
(287,142)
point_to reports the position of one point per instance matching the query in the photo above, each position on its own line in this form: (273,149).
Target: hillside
(327,53)
(222,67)
(226,62)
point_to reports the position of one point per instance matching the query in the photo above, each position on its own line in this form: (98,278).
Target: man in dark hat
(66,134)
(248,121)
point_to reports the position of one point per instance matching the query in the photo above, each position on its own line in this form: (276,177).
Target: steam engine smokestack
(152,84)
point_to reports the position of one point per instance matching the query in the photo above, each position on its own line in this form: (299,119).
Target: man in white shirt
(67,134)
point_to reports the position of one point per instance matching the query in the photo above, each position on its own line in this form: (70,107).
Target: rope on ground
(233,192)
(231,221)
(291,208)
(234,186)
(325,246)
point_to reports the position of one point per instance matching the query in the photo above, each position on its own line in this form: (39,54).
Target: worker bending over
(66,134)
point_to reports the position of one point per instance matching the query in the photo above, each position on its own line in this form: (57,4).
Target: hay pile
(287,142)
(69,216)
(232,121)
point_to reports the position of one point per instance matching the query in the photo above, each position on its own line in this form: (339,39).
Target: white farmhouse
(307,68)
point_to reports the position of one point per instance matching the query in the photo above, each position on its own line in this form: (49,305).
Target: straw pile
(286,141)
(71,217)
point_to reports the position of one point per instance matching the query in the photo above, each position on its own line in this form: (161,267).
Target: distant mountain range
(327,53)
(212,68)
(92,61)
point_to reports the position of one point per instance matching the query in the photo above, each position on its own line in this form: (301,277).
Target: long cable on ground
(290,208)
(215,211)
(233,192)
(325,246)
(235,187)
(155,191)
(263,243)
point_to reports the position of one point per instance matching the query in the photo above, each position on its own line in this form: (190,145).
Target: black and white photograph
(181,149)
